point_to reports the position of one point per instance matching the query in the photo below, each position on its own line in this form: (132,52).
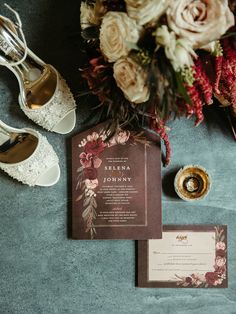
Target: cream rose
(145,11)
(87,15)
(117,31)
(91,184)
(178,51)
(200,21)
(220,261)
(131,79)
(122,136)
(220,245)
(91,14)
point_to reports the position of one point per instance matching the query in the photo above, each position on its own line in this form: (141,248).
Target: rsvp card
(186,257)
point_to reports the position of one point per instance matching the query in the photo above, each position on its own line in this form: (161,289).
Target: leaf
(79,197)
(80,176)
(80,169)
(86,212)
(94,214)
(181,89)
(229,35)
(83,187)
(222,238)
(86,202)
(94,202)
(181,278)
(221,232)
(95,205)
(80,185)
(91,233)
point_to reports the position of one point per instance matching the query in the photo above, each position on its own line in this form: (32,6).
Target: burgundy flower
(211,278)
(220,253)
(188,279)
(86,160)
(95,147)
(90,173)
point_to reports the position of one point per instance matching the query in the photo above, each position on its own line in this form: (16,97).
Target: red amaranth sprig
(184,107)
(159,127)
(218,70)
(233,95)
(230,54)
(227,73)
(203,82)
(228,82)
(197,103)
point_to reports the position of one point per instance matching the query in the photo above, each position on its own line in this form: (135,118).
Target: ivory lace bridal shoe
(27,156)
(44,96)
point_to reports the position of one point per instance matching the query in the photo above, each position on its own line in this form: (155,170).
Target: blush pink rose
(131,78)
(86,160)
(117,32)
(112,142)
(96,162)
(220,261)
(91,184)
(201,21)
(188,279)
(220,245)
(218,282)
(122,137)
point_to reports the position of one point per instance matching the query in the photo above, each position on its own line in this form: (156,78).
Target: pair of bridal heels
(45,98)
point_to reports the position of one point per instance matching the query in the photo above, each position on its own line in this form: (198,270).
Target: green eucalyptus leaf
(181,89)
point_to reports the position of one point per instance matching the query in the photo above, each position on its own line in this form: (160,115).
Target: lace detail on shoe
(29,170)
(61,104)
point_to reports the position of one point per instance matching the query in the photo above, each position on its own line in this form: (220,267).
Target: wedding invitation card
(116,185)
(186,257)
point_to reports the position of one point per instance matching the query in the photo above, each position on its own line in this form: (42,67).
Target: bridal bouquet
(156,59)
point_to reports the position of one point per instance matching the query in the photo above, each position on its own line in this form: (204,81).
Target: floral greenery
(170,75)
(210,279)
(87,180)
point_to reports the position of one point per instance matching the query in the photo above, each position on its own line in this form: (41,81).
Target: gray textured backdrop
(41,270)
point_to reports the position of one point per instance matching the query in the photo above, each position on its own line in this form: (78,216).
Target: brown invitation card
(186,257)
(116,185)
